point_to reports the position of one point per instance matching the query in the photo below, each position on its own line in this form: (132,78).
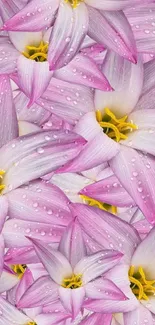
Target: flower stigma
(72,283)
(140,286)
(31,323)
(116,129)
(19,269)
(98,204)
(37,53)
(74,3)
(2,186)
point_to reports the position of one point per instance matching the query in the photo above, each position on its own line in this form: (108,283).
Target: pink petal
(84,71)
(4,210)
(41,292)
(113,30)
(112,5)
(97,318)
(10,8)
(109,190)
(24,283)
(89,219)
(55,262)
(134,171)
(140,315)
(52,319)
(7,281)
(65,42)
(35,16)
(41,202)
(2,246)
(72,299)
(103,289)
(34,77)
(15,230)
(126,79)
(142,140)
(10,314)
(22,255)
(97,264)
(21,39)
(9,125)
(8,56)
(72,244)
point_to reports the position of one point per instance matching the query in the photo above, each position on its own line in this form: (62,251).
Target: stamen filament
(141,287)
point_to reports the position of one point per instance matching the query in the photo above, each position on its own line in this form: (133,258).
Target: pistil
(37,53)
(73,282)
(74,3)
(140,286)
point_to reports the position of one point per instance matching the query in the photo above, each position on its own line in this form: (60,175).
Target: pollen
(72,283)
(98,204)
(37,53)
(74,3)
(116,129)
(19,269)
(31,323)
(2,186)
(140,286)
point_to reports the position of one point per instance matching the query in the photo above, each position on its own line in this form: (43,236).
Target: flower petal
(109,190)
(67,35)
(110,225)
(55,262)
(35,16)
(135,171)
(7,280)
(97,264)
(103,289)
(8,56)
(1,253)
(97,318)
(72,244)
(4,211)
(126,79)
(140,315)
(11,314)
(84,71)
(34,77)
(9,125)
(39,293)
(112,29)
(21,39)
(52,319)
(72,299)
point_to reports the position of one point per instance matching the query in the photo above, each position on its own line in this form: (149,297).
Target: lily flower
(75,276)
(121,131)
(98,19)
(135,276)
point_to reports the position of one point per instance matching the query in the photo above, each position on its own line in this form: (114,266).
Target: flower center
(37,53)
(2,186)
(74,3)
(19,269)
(98,204)
(141,287)
(116,129)
(73,283)
(31,323)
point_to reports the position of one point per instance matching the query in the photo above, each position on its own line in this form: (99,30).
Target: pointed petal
(7,281)
(34,77)
(95,265)
(29,157)
(84,71)
(103,289)
(126,79)
(72,299)
(21,256)
(9,125)
(112,5)
(97,318)
(136,174)
(39,293)
(109,190)
(142,140)
(24,283)
(40,202)
(53,318)
(21,39)
(15,230)
(67,35)
(10,313)
(72,244)
(35,16)
(56,264)
(1,253)
(89,219)
(113,30)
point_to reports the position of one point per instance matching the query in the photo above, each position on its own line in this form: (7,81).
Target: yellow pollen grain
(2,186)
(74,3)
(116,129)
(140,286)
(73,282)
(37,53)
(98,204)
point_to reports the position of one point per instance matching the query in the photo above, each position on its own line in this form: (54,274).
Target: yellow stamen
(37,53)
(98,204)
(74,3)
(31,323)
(19,269)
(141,287)
(72,283)
(2,186)
(116,129)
